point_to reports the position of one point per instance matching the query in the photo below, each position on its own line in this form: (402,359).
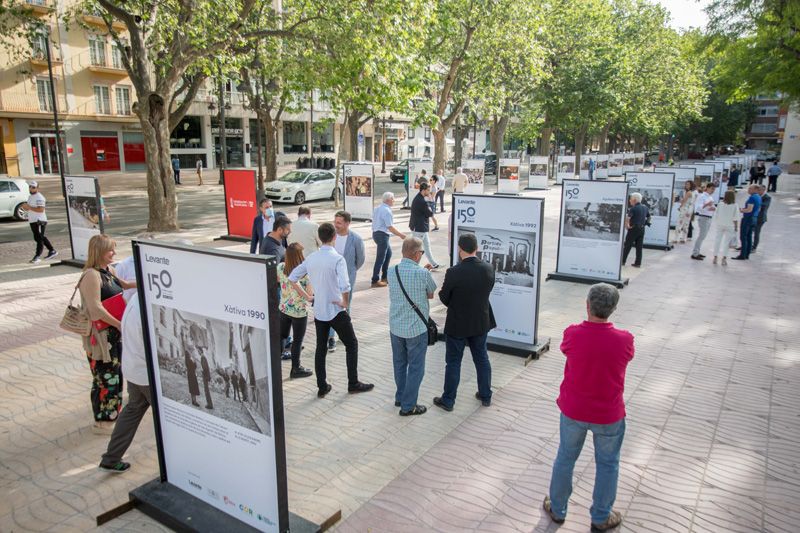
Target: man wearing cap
(38,220)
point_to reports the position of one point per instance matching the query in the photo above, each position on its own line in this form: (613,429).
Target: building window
(427,133)
(294,138)
(116,56)
(760,127)
(39,46)
(97,50)
(45,95)
(322,140)
(189,133)
(768,111)
(102,102)
(411,132)
(123,100)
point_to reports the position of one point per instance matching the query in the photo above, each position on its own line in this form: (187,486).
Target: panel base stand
(506,194)
(536,189)
(69,262)
(234,238)
(558,276)
(521,349)
(665,247)
(180,511)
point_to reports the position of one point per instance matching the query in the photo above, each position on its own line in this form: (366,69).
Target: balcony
(29,103)
(38,61)
(38,8)
(98,21)
(108,68)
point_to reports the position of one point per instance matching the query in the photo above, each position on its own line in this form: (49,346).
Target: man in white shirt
(134,368)
(304,231)
(38,220)
(328,274)
(704,211)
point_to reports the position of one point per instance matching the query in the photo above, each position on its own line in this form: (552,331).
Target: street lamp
(383,144)
(45,32)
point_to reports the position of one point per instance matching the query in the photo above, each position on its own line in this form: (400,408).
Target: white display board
(508,171)
(629,162)
(537,173)
(565,169)
(705,171)
(359,189)
(590,233)
(210,320)
(614,165)
(638,160)
(84,213)
(601,169)
(474,169)
(509,234)
(656,189)
(723,168)
(682,175)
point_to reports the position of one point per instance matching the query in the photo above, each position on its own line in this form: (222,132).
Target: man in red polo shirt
(591,400)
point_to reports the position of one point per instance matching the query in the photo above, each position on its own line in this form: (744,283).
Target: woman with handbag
(101,294)
(294,309)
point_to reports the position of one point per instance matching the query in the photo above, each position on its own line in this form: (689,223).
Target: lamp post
(45,31)
(223,150)
(383,144)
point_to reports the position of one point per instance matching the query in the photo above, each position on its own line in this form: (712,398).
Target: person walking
(441,186)
(407,201)
(465,292)
(349,245)
(766,201)
(591,399)
(725,220)
(327,271)
(753,174)
(704,210)
(410,288)
(199,168)
(134,368)
(430,199)
(685,212)
(592,166)
(419,223)
(773,173)
(733,179)
(761,172)
(459,181)
(262,224)
(176,169)
(749,216)
(382,230)
(635,222)
(293,308)
(37,218)
(304,231)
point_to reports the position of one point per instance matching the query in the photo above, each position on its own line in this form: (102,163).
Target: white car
(301,185)
(13,193)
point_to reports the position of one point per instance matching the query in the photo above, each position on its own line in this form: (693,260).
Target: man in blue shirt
(382,230)
(761,219)
(408,330)
(592,166)
(176,169)
(749,217)
(773,173)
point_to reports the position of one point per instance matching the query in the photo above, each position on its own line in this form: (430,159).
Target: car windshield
(295,177)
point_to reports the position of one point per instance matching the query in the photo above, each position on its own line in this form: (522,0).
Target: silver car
(13,193)
(301,185)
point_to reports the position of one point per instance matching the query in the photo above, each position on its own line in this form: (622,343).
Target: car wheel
(20,213)
(394,180)
(333,194)
(300,198)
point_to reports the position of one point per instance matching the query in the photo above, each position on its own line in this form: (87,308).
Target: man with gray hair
(637,219)
(591,400)
(410,288)
(382,230)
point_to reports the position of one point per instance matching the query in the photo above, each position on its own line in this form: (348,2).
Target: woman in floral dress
(294,308)
(685,212)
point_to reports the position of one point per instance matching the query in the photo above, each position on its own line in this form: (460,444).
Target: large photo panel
(359,187)
(474,169)
(565,168)
(508,176)
(682,175)
(591,229)
(218,412)
(508,230)
(614,165)
(601,168)
(656,189)
(84,213)
(537,174)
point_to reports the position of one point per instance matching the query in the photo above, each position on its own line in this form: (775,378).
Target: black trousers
(343,327)
(757,233)
(773,184)
(38,229)
(177,176)
(440,197)
(634,238)
(298,329)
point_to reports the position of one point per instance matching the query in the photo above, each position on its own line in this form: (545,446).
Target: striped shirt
(418,282)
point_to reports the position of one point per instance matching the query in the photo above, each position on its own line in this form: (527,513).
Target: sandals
(416,410)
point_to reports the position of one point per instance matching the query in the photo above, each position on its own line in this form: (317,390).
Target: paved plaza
(712,424)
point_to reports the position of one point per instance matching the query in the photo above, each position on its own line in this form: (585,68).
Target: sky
(686,13)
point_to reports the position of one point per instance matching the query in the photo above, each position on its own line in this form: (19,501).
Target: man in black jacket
(465,292)
(761,219)
(418,221)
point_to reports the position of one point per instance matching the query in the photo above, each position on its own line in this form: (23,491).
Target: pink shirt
(594,376)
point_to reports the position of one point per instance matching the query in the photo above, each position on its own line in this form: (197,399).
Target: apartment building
(763,131)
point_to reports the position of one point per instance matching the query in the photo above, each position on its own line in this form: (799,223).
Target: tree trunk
(162,199)
(580,140)
(352,127)
(439,148)
(259,161)
(544,141)
(498,134)
(604,138)
(271,154)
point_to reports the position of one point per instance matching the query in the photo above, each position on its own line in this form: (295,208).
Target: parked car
(397,172)
(301,185)
(13,193)
(767,155)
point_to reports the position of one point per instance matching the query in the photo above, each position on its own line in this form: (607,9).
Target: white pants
(722,241)
(426,245)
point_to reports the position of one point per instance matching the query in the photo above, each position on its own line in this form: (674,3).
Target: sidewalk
(712,421)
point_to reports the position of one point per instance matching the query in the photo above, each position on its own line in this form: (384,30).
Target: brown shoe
(614,519)
(549,510)
(379,284)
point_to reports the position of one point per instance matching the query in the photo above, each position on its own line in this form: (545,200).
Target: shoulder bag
(433,329)
(75,319)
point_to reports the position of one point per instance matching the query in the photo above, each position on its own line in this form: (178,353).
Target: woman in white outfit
(685,212)
(726,221)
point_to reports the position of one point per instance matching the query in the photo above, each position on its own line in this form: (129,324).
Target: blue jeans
(408,359)
(747,236)
(382,257)
(454,351)
(607,443)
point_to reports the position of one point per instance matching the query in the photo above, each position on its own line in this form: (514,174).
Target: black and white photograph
(84,212)
(628,160)
(511,254)
(214,366)
(654,200)
(602,163)
(474,175)
(538,169)
(592,220)
(567,166)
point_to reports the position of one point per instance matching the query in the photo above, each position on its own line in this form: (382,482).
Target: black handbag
(433,329)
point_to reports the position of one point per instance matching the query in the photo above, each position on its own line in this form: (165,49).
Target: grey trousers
(703,224)
(127,423)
